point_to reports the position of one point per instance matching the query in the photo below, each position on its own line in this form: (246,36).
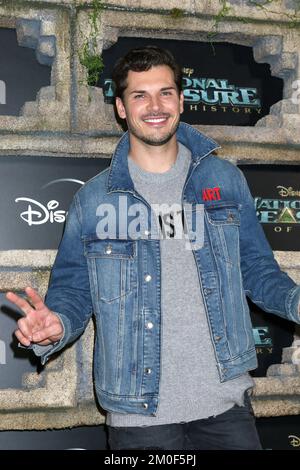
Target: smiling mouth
(155,120)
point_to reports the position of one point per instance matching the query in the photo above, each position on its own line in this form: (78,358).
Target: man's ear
(120,108)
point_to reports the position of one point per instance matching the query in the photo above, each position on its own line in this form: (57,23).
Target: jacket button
(148,370)
(149,325)
(207,291)
(217,338)
(147,232)
(108,249)
(145,406)
(148,278)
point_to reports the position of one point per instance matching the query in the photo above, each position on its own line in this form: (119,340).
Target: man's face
(151,105)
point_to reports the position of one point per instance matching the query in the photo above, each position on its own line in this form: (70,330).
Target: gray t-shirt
(190,386)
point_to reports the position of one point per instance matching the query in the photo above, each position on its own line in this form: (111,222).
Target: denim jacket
(118,279)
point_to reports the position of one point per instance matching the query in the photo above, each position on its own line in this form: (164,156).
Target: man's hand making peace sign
(39,324)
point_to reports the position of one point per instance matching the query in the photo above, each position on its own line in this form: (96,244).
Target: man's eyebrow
(162,89)
(137,91)
(168,88)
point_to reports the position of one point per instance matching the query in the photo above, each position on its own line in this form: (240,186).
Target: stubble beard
(154,140)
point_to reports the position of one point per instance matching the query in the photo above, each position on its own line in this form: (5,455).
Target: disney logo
(294,441)
(38,214)
(285,192)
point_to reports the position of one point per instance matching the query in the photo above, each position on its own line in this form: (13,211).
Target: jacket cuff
(62,342)
(40,350)
(44,352)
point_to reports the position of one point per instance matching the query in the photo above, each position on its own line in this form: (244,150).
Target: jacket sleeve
(69,290)
(264,282)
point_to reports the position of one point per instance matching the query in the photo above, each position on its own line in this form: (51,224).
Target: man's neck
(152,158)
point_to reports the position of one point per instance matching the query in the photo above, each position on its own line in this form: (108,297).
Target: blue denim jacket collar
(119,177)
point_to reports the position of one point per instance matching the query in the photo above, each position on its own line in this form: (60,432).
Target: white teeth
(155,120)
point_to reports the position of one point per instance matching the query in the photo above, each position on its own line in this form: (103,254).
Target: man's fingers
(23,340)
(34,302)
(25,328)
(19,302)
(35,298)
(44,343)
(36,315)
(52,333)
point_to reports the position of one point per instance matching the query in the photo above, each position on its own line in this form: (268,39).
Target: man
(167,288)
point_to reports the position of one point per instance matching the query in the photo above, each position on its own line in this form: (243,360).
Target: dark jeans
(233,430)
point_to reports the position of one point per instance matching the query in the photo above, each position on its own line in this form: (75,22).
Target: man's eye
(166,93)
(139,96)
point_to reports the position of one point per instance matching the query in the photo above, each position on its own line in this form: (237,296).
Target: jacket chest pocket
(110,264)
(223,222)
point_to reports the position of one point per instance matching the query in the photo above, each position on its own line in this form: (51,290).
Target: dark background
(41,179)
(20,71)
(263,181)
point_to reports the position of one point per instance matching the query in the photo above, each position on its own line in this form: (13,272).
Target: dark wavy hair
(140,60)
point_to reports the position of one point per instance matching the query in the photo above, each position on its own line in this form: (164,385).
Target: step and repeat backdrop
(276,193)
(222,85)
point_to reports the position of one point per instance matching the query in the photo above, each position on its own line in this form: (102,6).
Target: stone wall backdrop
(69,117)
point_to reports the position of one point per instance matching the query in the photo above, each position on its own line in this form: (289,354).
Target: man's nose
(155,103)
